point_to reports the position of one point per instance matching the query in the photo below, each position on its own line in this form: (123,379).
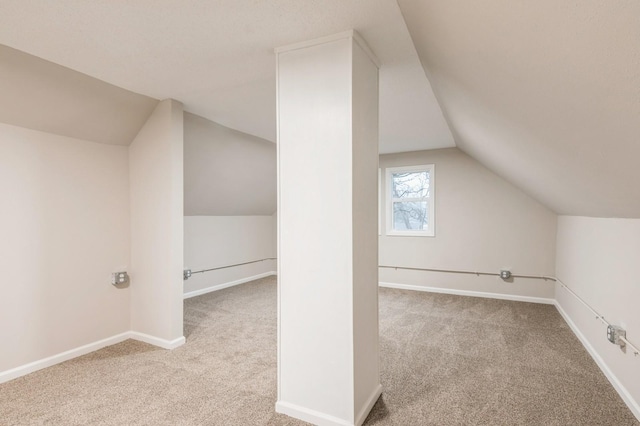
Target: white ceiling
(545,93)
(217,56)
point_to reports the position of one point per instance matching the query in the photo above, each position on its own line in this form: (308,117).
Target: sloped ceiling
(216,56)
(546,93)
(44,96)
(226,172)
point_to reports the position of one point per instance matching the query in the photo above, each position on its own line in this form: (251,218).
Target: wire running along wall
(188,273)
(599,317)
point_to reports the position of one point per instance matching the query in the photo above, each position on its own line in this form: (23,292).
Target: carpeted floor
(446,360)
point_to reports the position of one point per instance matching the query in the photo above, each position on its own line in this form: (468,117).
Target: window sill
(409,234)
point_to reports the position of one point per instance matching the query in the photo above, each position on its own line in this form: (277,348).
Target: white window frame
(430,231)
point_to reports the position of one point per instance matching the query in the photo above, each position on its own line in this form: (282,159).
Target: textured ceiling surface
(546,93)
(216,57)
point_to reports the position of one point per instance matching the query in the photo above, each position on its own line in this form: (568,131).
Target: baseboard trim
(622,391)
(626,396)
(34,366)
(156,341)
(227,285)
(310,416)
(513,297)
(322,419)
(366,409)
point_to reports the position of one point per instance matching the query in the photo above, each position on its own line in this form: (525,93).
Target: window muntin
(410,200)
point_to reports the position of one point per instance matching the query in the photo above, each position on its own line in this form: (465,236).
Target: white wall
(212,241)
(483,223)
(598,259)
(227,172)
(156,189)
(64,223)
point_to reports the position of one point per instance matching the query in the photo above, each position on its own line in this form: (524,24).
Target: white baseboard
(622,391)
(310,416)
(366,409)
(227,284)
(633,405)
(31,367)
(156,341)
(322,419)
(23,370)
(501,296)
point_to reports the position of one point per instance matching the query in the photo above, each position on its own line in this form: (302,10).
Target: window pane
(410,184)
(410,216)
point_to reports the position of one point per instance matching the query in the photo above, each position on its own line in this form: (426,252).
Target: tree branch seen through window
(410,200)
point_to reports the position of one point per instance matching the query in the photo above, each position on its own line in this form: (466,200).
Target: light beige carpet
(446,360)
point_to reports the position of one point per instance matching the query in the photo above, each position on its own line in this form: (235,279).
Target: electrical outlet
(118,278)
(505,274)
(614,333)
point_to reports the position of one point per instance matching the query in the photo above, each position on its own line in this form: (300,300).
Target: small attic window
(410,200)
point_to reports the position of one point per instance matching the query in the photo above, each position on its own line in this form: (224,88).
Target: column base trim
(156,341)
(366,409)
(322,419)
(310,416)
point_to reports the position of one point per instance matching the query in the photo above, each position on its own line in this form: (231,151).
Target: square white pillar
(157,227)
(328,368)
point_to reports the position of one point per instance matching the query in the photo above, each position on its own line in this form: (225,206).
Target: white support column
(156,186)
(328,369)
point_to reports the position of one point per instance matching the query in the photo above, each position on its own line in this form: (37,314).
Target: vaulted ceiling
(216,56)
(546,93)
(41,95)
